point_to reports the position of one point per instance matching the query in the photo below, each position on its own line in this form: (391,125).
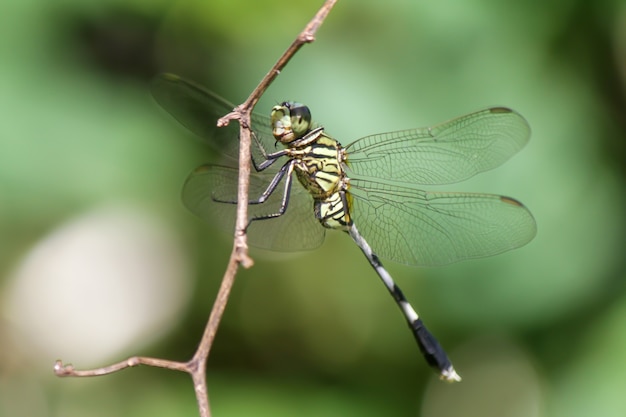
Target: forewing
(442,154)
(432,228)
(199,109)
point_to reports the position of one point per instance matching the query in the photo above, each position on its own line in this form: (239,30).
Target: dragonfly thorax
(318,165)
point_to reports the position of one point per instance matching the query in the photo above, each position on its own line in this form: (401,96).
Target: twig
(196,366)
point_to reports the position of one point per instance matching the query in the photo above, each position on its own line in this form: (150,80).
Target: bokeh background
(99,260)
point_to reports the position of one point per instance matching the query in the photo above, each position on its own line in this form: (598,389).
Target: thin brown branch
(306,36)
(196,366)
(243,113)
(68,370)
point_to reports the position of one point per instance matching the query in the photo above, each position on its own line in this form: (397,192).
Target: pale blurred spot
(499,380)
(108,280)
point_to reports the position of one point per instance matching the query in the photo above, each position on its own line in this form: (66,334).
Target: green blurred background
(99,260)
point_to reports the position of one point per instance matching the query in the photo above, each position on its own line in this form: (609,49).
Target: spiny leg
(266,161)
(285,170)
(429,346)
(285,200)
(269,160)
(268,191)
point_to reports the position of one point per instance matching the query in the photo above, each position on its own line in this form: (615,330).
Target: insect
(368,189)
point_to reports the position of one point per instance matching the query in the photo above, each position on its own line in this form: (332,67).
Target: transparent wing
(198,109)
(442,154)
(297,229)
(432,228)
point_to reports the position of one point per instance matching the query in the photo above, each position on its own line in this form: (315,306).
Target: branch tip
(63,370)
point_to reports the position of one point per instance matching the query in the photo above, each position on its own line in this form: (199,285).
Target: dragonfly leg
(288,167)
(268,191)
(429,346)
(269,160)
(288,170)
(285,170)
(266,161)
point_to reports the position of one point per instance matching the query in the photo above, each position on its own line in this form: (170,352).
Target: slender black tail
(429,346)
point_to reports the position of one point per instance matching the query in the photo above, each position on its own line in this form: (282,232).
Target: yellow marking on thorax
(318,168)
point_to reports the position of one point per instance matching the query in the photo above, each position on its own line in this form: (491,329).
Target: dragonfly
(374,183)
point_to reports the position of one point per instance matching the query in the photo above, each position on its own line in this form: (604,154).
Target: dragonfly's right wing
(199,109)
(416,227)
(446,153)
(295,230)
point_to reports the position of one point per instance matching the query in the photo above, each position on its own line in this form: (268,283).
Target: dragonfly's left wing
(442,154)
(416,227)
(199,109)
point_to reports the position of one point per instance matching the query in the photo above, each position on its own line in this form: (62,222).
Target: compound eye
(300,119)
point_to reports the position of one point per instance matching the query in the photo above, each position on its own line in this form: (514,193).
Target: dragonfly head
(290,121)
